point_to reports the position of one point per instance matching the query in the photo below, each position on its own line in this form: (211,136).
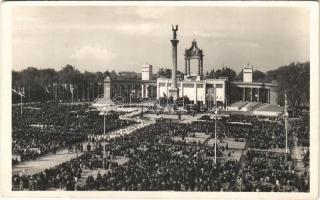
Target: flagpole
(21,94)
(215,137)
(20,105)
(71,90)
(98,89)
(286,121)
(215,129)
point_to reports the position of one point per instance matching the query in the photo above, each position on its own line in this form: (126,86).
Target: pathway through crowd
(49,160)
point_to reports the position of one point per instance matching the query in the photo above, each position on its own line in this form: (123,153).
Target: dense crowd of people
(266,172)
(45,128)
(300,128)
(159,156)
(260,132)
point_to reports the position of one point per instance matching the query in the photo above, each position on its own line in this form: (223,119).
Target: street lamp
(226,99)
(130,98)
(104,131)
(215,135)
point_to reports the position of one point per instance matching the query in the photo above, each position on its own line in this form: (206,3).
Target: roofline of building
(273,84)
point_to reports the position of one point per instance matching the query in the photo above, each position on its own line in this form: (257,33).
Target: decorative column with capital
(189,72)
(185,66)
(174,91)
(199,67)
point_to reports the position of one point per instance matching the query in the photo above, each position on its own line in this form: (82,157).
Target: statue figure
(175,31)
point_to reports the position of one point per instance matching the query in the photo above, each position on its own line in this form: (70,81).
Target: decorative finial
(175,29)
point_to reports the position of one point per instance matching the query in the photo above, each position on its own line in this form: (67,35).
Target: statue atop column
(175,29)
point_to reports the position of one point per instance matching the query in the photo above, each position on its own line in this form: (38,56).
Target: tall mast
(286,115)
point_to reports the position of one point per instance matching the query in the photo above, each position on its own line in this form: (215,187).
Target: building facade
(200,91)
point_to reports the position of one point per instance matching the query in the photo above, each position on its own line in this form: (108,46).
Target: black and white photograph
(170,98)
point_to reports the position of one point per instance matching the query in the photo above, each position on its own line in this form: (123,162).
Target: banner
(71,88)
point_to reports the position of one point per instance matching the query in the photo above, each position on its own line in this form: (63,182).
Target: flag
(65,86)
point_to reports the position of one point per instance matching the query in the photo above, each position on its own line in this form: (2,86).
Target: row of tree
(294,79)
(70,84)
(66,84)
(258,76)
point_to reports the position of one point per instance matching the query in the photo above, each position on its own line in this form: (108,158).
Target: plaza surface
(44,162)
(184,118)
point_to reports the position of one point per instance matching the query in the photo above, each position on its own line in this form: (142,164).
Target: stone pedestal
(107,89)
(174,92)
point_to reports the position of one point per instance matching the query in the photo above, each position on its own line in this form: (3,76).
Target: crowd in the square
(45,128)
(266,172)
(169,156)
(153,165)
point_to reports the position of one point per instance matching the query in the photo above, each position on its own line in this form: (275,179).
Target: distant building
(247,74)
(146,72)
(200,91)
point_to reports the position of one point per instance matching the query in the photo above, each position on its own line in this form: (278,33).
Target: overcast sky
(124,38)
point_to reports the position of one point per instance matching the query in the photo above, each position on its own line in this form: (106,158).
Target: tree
(228,72)
(294,79)
(211,74)
(224,72)
(258,76)
(207,74)
(239,77)
(164,73)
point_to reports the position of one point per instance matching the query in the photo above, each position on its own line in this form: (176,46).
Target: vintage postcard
(183,100)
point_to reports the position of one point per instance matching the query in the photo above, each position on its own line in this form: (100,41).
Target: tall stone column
(107,89)
(173,89)
(186,66)
(142,91)
(199,68)
(147,91)
(174,63)
(243,94)
(189,72)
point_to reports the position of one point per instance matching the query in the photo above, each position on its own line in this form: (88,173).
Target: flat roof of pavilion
(131,81)
(257,84)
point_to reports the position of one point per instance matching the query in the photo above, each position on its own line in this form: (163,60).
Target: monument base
(174,92)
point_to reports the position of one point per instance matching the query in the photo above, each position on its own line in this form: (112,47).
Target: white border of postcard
(5,100)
